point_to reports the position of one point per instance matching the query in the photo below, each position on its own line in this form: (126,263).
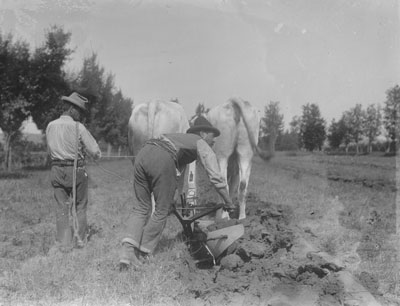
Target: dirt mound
(263,265)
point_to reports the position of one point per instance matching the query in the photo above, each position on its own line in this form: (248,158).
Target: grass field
(345,206)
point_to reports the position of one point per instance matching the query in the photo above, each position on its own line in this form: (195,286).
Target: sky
(334,53)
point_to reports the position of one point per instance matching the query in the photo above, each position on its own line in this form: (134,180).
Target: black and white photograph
(199,152)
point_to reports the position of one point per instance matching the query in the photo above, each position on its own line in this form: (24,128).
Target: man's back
(61,135)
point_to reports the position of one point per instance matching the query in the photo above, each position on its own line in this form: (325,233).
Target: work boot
(123,267)
(142,256)
(129,257)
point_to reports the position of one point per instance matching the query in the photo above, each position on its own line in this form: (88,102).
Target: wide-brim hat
(202,124)
(77,100)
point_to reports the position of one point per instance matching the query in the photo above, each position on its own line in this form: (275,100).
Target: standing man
(68,140)
(156,170)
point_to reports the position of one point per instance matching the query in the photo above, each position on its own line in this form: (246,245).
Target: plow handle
(187,229)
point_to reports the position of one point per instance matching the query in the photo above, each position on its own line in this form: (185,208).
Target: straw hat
(77,100)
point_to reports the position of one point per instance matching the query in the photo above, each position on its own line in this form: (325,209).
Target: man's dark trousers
(61,180)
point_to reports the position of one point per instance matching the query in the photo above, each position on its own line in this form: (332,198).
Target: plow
(207,247)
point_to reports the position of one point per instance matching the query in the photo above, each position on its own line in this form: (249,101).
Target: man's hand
(229,207)
(97,155)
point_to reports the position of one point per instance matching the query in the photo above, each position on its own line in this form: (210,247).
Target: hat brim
(205,128)
(69,100)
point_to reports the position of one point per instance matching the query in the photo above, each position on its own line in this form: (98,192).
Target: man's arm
(209,160)
(90,143)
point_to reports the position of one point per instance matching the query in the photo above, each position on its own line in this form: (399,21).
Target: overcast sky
(334,53)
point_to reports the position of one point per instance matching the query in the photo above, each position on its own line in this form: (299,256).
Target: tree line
(311,132)
(32,82)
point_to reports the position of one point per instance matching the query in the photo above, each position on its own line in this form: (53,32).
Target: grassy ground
(33,273)
(332,204)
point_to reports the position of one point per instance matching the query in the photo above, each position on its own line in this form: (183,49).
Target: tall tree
(373,122)
(294,130)
(338,134)
(391,116)
(355,121)
(287,141)
(122,108)
(112,127)
(272,123)
(91,84)
(199,111)
(49,77)
(14,86)
(312,127)
(109,109)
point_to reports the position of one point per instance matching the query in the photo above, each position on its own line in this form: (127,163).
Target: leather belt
(66,163)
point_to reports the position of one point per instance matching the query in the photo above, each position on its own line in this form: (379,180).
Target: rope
(75,223)
(112,172)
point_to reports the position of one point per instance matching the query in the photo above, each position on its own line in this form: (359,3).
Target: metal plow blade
(218,241)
